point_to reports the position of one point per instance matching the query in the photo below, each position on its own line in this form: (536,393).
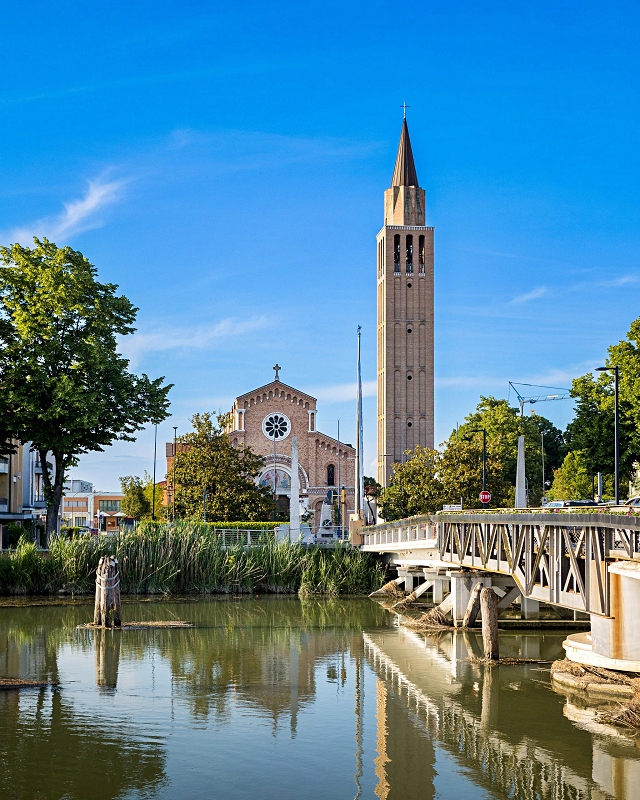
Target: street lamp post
(542,450)
(173,478)
(483,431)
(153,488)
(616,431)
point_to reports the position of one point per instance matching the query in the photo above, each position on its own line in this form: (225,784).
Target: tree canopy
(135,502)
(430,478)
(592,429)
(65,387)
(207,461)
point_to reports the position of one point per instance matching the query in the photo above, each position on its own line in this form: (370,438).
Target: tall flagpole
(359,448)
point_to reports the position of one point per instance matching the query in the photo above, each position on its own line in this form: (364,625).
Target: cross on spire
(277,369)
(404,107)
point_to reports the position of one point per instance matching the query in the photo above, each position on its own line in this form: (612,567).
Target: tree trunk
(489,605)
(53,492)
(473,607)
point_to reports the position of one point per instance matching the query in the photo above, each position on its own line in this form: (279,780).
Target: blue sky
(225,165)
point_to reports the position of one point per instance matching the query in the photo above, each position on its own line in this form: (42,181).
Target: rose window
(276,427)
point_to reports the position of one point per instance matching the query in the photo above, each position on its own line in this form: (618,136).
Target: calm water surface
(287,699)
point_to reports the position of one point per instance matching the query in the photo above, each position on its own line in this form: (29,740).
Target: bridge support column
(461,587)
(529,609)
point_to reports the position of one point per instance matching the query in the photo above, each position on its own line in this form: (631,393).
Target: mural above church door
(283,480)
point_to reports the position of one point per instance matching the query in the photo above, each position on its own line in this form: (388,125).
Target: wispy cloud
(199,337)
(78,215)
(624,280)
(534,295)
(341,392)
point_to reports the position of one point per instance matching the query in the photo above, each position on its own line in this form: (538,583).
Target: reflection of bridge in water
(524,750)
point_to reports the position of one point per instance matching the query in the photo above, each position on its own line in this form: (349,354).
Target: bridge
(586,562)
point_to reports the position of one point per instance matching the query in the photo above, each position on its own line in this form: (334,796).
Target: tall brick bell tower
(405,317)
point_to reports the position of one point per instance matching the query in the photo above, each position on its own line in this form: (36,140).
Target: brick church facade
(265,419)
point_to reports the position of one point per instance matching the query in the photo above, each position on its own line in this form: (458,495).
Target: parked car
(632,501)
(570,503)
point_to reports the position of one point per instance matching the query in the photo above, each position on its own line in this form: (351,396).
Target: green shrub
(186,557)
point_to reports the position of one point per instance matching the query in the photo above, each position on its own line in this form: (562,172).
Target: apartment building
(21,487)
(85,507)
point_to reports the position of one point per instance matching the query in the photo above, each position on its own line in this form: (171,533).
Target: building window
(396,253)
(109,505)
(421,255)
(331,475)
(80,522)
(409,255)
(4,465)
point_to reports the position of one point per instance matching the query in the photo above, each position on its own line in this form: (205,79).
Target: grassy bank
(186,557)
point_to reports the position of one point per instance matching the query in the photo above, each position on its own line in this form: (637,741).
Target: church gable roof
(277,388)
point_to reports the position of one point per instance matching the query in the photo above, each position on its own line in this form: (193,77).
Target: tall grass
(180,558)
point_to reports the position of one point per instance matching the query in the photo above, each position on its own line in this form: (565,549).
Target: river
(284,698)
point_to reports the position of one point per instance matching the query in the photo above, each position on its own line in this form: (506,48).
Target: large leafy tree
(64,386)
(414,487)
(135,502)
(504,425)
(431,478)
(206,461)
(592,429)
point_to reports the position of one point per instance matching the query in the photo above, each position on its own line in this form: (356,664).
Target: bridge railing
(417,529)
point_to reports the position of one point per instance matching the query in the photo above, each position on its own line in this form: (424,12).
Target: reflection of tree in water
(263,653)
(47,748)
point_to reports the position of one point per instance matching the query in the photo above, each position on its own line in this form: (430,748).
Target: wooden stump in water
(106,612)
(489,606)
(473,607)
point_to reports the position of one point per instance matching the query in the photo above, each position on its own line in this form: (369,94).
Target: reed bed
(183,558)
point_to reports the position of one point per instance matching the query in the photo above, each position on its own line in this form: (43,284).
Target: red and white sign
(485,496)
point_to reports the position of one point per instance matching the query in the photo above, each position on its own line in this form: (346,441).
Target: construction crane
(560,394)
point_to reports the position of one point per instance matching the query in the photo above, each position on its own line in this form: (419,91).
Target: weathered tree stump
(473,607)
(489,606)
(106,612)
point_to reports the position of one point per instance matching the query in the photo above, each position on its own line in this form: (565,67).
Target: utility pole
(173,478)
(359,504)
(483,431)
(616,431)
(153,495)
(542,450)
(339,484)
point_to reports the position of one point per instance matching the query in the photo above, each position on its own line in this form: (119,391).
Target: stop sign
(485,496)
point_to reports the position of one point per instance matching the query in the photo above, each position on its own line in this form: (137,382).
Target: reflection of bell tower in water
(405,317)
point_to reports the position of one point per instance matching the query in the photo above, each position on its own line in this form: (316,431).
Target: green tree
(135,503)
(504,425)
(160,508)
(414,487)
(461,473)
(573,480)
(207,461)
(592,429)
(65,388)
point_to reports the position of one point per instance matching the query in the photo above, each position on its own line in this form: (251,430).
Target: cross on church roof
(277,369)
(404,107)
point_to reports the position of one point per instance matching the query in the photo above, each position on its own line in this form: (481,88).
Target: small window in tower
(396,253)
(409,377)
(331,475)
(409,424)
(409,255)
(409,330)
(409,285)
(421,255)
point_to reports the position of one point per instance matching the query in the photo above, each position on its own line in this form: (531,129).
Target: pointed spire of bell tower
(404,200)
(404,173)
